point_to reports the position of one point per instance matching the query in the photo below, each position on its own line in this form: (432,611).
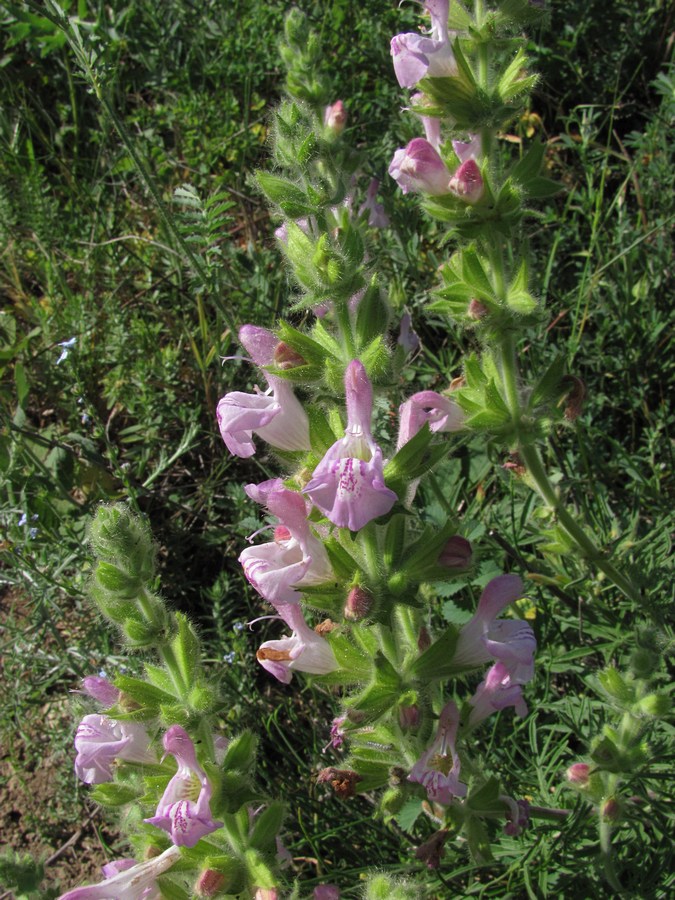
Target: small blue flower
(238,626)
(32,533)
(230,657)
(67,347)
(23,520)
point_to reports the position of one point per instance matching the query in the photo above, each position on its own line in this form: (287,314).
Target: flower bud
(418,167)
(456,554)
(424,640)
(578,774)
(209,884)
(611,810)
(335,117)
(655,705)
(359,603)
(644,662)
(476,310)
(266,894)
(467,182)
(409,717)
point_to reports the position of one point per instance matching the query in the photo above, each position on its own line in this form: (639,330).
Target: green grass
(129,413)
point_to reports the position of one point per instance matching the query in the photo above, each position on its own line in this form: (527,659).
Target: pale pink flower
(377,217)
(437,770)
(100,689)
(348,484)
(407,338)
(295,558)
(418,167)
(276,415)
(442,414)
(303,651)
(128,880)
(497,691)
(100,741)
(326,892)
(509,641)
(184,810)
(416,56)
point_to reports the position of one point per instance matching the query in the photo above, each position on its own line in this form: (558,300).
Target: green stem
(530,457)
(607,855)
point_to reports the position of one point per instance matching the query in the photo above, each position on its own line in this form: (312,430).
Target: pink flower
(440,412)
(100,741)
(579,774)
(184,810)
(437,770)
(509,641)
(467,182)
(277,416)
(377,217)
(278,568)
(416,57)
(303,651)
(418,167)
(496,692)
(326,892)
(471,149)
(407,338)
(348,484)
(128,880)
(100,689)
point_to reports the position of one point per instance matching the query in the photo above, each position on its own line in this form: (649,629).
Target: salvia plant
(350,569)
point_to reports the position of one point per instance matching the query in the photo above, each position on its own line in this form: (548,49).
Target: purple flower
(100,689)
(348,484)
(517,815)
(437,770)
(184,810)
(407,338)
(276,415)
(509,641)
(303,651)
(128,880)
(418,167)
(496,692)
(467,182)
(293,559)
(416,57)
(440,412)
(326,892)
(101,741)
(377,217)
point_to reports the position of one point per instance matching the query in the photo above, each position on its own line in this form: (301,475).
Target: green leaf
(409,814)
(113,794)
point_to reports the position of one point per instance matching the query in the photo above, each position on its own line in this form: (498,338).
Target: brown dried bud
(285,357)
(611,810)
(325,627)
(359,603)
(476,310)
(209,884)
(431,851)
(424,640)
(575,396)
(343,781)
(457,383)
(456,554)
(409,717)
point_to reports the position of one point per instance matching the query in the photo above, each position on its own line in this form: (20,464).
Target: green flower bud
(383,887)
(656,705)
(202,699)
(120,538)
(116,581)
(644,662)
